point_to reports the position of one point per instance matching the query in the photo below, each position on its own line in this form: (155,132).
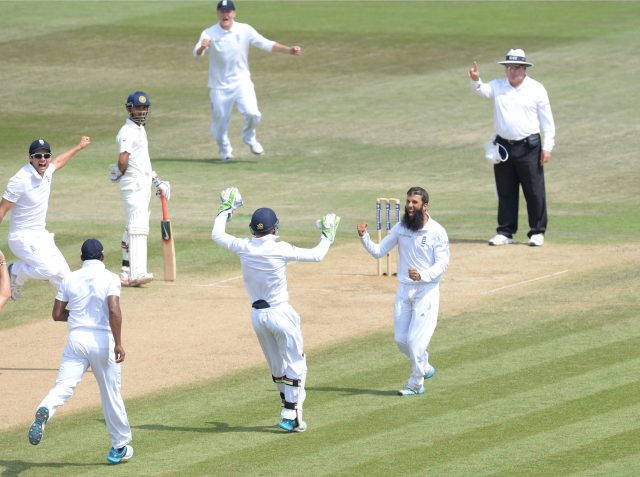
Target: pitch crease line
(551,275)
(221,281)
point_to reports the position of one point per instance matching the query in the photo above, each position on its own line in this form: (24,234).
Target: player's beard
(414,223)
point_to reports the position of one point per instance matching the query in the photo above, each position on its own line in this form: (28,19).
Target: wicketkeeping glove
(163,188)
(329,225)
(114,173)
(230,200)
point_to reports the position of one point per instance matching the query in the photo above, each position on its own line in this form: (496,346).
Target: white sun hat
(515,56)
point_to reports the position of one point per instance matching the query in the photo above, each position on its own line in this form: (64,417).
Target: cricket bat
(168,248)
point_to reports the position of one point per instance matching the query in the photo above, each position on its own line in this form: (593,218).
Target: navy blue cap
(92,249)
(263,220)
(39,144)
(138,98)
(225,5)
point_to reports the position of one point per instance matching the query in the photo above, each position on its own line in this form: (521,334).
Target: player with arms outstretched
(277,325)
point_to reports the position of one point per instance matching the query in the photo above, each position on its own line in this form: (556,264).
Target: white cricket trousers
(280,336)
(415,316)
(38,257)
(92,348)
(222,101)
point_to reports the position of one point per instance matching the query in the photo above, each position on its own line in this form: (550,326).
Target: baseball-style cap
(225,5)
(263,220)
(39,144)
(515,56)
(92,249)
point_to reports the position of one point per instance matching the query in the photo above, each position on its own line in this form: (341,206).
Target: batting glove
(329,226)
(114,173)
(230,200)
(163,188)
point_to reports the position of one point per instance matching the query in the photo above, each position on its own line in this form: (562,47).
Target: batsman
(277,325)
(135,175)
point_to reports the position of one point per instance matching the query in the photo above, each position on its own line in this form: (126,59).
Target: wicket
(387,202)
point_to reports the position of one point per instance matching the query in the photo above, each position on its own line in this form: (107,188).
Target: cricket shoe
(256,148)
(16,290)
(116,456)
(536,240)
(430,374)
(500,239)
(37,428)
(407,391)
(292,425)
(137,281)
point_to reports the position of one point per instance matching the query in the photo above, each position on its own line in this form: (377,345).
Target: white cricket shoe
(137,281)
(407,391)
(536,240)
(256,148)
(500,239)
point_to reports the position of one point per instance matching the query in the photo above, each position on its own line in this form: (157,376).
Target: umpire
(522,111)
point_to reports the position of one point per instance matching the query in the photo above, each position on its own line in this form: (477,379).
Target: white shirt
(264,261)
(229,53)
(29,191)
(86,291)
(426,250)
(519,112)
(132,138)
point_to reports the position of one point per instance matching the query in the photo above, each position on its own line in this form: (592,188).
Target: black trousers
(521,169)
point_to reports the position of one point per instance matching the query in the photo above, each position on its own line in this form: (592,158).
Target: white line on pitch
(524,282)
(220,282)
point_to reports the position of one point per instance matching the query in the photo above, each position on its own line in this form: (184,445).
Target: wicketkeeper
(134,173)
(276,323)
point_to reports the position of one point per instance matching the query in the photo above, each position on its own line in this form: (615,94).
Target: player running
(423,257)
(27,197)
(276,323)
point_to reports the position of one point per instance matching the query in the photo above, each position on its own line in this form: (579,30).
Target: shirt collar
(93,264)
(132,123)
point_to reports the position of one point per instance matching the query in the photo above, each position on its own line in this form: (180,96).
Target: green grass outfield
(378,101)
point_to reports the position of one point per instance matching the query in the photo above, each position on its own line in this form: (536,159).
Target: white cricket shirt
(229,53)
(264,261)
(519,112)
(86,291)
(132,138)
(426,250)
(29,191)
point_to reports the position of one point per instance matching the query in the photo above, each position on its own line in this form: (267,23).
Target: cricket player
(135,175)
(27,197)
(230,82)
(89,301)
(423,257)
(276,323)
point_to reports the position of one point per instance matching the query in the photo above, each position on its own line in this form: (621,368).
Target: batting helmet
(138,98)
(264,220)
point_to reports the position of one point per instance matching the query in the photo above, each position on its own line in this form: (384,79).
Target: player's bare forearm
(123,162)
(60,312)
(115,322)
(290,50)
(65,157)
(5,206)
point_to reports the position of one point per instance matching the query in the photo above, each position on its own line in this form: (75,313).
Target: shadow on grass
(15,467)
(215,427)
(352,391)
(214,161)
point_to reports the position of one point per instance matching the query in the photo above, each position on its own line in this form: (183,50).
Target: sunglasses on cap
(39,155)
